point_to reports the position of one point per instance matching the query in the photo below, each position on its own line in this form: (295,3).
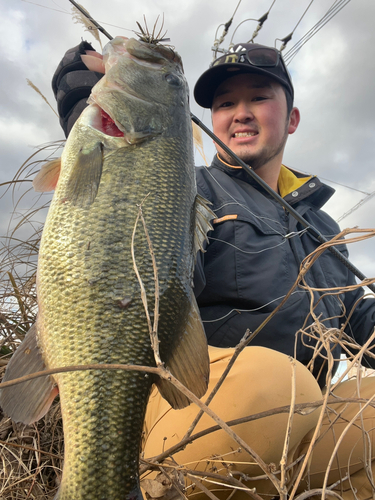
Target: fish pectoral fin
(84,180)
(203,216)
(189,362)
(28,401)
(47,177)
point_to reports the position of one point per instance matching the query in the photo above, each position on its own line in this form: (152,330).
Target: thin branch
(300,409)
(143,290)
(284,457)
(318,492)
(154,330)
(339,441)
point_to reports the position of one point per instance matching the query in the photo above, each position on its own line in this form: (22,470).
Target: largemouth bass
(131,146)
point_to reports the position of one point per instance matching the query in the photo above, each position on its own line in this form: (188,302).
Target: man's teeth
(244,134)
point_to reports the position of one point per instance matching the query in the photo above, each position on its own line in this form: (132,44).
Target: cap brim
(210,80)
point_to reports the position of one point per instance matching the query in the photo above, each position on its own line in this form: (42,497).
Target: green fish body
(130,150)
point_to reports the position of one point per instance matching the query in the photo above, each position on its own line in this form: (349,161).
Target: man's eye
(259,98)
(226,104)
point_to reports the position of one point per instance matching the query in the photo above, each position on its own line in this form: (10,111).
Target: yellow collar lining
(289,182)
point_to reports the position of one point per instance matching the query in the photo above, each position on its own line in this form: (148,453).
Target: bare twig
(316,492)
(284,457)
(339,441)
(214,391)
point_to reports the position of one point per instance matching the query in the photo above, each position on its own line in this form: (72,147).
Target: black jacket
(253,260)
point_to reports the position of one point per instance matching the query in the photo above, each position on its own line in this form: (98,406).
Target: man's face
(249,114)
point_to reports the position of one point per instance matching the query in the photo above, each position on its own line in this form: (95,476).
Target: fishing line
(252,310)
(247,209)
(310,229)
(69,14)
(246,251)
(236,203)
(45,7)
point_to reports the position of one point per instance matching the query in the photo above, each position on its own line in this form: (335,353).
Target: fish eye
(173,79)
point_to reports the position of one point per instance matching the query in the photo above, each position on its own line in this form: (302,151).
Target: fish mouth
(102,121)
(98,119)
(108,126)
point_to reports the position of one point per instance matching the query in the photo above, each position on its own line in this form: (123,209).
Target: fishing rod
(96,24)
(309,228)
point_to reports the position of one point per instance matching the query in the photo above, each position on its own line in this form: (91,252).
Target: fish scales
(89,297)
(94,316)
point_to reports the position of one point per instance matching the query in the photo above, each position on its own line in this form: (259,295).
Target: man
(253,259)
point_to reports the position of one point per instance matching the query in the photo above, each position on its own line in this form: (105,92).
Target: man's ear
(294,119)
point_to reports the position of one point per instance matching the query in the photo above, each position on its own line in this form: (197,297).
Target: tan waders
(261,379)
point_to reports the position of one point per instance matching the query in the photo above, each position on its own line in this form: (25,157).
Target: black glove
(72,84)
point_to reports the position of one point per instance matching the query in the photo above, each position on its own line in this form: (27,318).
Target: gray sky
(333,76)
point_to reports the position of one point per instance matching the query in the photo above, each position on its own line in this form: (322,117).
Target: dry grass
(32,456)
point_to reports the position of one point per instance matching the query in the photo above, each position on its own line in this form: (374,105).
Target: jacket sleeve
(72,84)
(362,321)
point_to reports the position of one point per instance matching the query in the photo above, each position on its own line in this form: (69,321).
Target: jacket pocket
(265,265)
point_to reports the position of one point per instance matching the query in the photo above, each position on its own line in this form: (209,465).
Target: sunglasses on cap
(242,58)
(259,57)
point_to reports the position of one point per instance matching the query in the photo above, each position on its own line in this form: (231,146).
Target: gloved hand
(72,84)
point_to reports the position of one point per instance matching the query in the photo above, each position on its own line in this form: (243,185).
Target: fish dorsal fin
(47,177)
(84,180)
(203,216)
(29,401)
(189,362)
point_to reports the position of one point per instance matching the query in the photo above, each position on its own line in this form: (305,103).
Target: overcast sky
(333,76)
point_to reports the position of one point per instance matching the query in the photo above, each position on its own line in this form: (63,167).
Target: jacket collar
(293,186)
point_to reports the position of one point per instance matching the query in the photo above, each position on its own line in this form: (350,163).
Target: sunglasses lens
(263,57)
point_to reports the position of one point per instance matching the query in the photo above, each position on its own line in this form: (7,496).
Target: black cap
(242,58)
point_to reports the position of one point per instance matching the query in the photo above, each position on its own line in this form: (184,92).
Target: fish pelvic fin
(29,401)
(203,216)
(84,180)
(189,362)
(47,177)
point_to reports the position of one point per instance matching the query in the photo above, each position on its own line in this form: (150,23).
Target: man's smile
(244,134)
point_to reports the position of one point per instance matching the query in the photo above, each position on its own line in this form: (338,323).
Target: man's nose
(243,113)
